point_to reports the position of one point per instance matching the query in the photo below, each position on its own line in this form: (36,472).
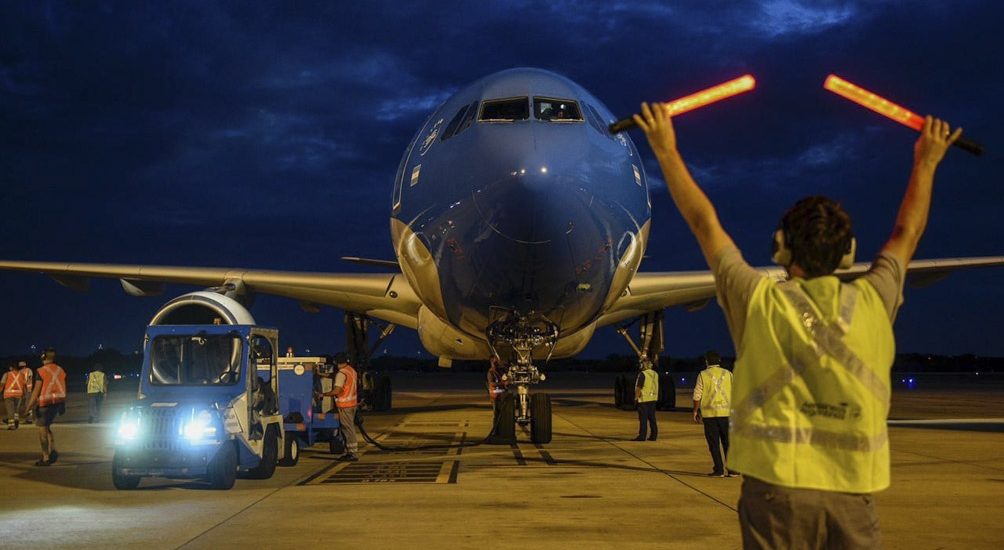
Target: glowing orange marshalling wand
(696,100)
(888,109)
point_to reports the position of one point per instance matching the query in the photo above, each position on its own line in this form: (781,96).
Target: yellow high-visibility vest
(650,386)
(811,392)
(717,392)
(96,382)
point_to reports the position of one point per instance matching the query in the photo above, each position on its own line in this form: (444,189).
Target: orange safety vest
(53,385)
(14,387)
(347,397)
(28,377)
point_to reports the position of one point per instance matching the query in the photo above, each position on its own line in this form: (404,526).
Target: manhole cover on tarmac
(394,472)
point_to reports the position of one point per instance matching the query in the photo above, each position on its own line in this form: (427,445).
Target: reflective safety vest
(96,382)
(717,393)
(650,386)
(347,397)
(811,392)
(53,385)
(28,377)
(13,385)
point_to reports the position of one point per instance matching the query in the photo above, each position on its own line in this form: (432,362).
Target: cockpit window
(596,121)
(505,110)
(556,110)
(460,121)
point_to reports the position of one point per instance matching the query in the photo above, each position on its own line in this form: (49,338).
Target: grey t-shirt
(736,280)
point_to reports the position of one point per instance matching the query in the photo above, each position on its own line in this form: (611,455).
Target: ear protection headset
(781,254)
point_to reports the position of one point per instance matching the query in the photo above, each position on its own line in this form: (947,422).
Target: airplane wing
(383,296)
(695,289)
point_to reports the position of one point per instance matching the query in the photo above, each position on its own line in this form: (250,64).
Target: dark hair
(818,232)
(712,358)
(341,357)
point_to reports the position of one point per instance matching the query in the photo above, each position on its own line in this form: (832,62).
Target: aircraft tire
(121,481)
(505,420)
(540,418)
(223,467)
(387,392)
(627,392)
(667,392)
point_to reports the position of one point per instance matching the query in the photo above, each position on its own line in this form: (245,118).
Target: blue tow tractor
(216,402)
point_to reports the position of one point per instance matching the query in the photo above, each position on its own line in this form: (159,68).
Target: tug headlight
(199,427)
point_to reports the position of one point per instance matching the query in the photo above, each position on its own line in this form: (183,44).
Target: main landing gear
(375,389)
(522,335)
(649,346)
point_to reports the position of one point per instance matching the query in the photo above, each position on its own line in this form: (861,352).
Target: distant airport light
(888,109)
(696,100)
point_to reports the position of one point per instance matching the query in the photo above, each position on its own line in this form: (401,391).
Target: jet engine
(203,308)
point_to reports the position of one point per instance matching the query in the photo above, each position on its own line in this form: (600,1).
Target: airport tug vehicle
(216,402)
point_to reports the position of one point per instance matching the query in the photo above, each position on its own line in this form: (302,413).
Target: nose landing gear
(522,335)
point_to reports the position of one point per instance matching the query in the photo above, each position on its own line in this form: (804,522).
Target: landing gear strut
(650,345)
(522,334)
(375,388)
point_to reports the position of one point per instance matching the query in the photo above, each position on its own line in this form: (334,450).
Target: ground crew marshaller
(811,391)
(346,400)
(646,393)
(50,396)
(97,388)
(712,398)
(13,392)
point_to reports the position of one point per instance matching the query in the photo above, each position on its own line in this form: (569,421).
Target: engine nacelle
(203,308)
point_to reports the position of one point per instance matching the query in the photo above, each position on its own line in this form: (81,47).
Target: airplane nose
(532,204)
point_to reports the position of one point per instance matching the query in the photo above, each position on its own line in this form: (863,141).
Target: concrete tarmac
(591,487)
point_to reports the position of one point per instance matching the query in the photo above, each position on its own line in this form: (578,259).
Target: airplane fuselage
(513,197)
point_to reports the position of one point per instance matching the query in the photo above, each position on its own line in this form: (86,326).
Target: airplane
(519,222)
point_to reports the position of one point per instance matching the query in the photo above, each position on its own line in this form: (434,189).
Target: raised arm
(934,140)
(690,200)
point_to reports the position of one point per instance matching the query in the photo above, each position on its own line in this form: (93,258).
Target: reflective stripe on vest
(96,382)
(650,386)
(717,395)
(347,397)
(811,396)
(14,387)
(28,377)
(53,385)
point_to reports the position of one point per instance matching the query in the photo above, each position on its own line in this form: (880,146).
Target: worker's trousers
(11,403)
(716,431)
(646,416)
(771,516)
(94,401)
(347,419)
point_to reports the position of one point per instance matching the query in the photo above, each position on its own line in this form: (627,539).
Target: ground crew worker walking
(712,398)
(496,380)
(97,388)
(344,392)
(50,396)
(646,393)
(28,379)
(812,375)
(13,392)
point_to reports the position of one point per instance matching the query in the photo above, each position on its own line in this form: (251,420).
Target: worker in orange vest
(13,392)
(28,378)
(346,400)
(49,394)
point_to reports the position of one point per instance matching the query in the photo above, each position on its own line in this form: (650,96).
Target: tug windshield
(196,360)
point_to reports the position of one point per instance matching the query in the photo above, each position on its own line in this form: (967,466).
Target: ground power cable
(399,449)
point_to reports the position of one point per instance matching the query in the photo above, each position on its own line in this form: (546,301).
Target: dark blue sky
(261,135)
